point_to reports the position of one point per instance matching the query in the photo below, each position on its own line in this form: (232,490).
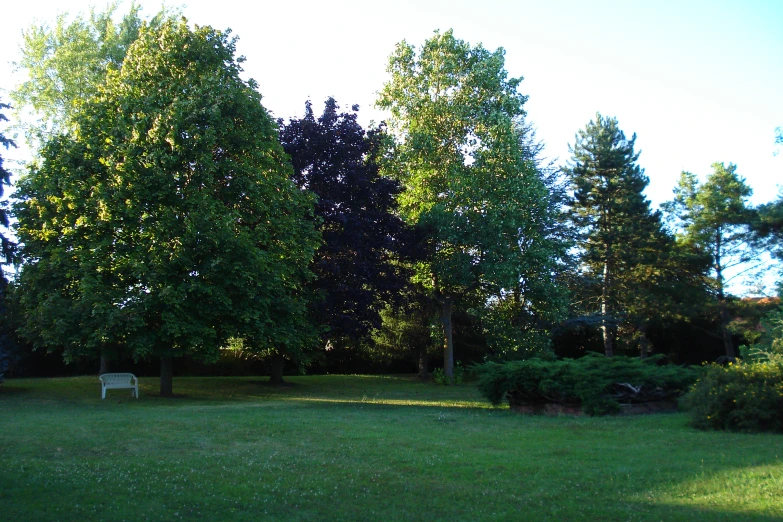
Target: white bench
(119,381)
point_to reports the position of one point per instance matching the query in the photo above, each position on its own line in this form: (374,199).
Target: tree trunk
(424,373)
(166,377)
(606,308)
(728,343)
(276,370)
(105,365)
(448,344)
(644,342)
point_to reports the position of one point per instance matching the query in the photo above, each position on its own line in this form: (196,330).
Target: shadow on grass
(12,391)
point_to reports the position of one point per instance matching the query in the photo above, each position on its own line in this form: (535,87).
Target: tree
(467,183)
(406,331)
(5,249)
(623,238)
(166,223)
(769,226)
(5,181)
(357,266)
(67,63)
(715,218)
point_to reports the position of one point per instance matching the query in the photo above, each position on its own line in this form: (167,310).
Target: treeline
(167,217)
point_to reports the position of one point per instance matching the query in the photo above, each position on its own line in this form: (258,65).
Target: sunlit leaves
(166,221)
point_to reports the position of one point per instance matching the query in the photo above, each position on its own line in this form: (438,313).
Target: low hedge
(595,383)
(745,397)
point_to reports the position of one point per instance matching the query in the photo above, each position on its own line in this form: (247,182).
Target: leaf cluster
(716,218)
(66,63)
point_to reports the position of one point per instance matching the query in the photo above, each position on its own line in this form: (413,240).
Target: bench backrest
(116,378)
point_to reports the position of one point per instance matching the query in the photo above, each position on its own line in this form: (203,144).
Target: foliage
(626,256)
(715,218)
(5,181)
(769,344)
(6,249)
(511,333)
(407,330)
(468,186)
(769,229)
(166,223)
(738,397)
(357,266)
(439,376)
(67,63)
(597,383)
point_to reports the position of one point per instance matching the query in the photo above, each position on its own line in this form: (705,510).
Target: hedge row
(597,384)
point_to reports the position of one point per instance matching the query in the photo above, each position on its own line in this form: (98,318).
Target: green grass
(360,448)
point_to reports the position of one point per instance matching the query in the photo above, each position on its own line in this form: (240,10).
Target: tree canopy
(5,181)
(623,244)
(467,183)
(715,217)
(67,63)
(358,265)
(166,223)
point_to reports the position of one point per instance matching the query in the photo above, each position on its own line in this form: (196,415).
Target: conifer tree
(619,230)
(716,218)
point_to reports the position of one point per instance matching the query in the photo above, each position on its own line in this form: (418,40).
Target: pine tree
(619,230)
(716,218)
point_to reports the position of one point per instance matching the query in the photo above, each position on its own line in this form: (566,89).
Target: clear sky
(697,81)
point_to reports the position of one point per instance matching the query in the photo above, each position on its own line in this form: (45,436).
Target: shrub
(597,384)
(439,376)
(739,397)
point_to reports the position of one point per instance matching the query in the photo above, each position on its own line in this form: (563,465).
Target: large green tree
(466,181)
(716,218)
(622,237)
(68,61)
(166,222)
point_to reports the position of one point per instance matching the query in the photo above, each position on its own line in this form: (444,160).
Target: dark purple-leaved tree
(357,267)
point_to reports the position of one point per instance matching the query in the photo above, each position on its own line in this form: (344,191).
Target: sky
(697,81)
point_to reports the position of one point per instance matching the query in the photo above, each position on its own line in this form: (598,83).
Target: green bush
(439,376)
(597,384)
(739,397)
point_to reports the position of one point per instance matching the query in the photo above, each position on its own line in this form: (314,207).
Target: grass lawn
(360,448)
